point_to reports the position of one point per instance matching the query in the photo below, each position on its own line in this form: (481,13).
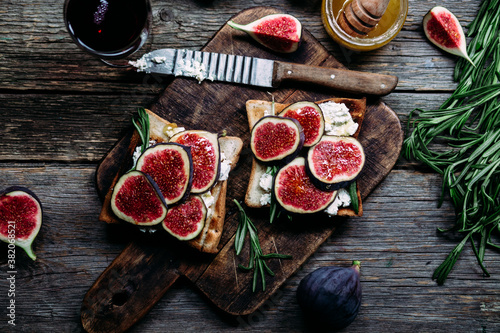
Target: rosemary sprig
(461,141)
(257,258)
(141,124)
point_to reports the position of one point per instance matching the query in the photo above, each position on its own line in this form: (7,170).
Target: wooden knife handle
(128,288)
(338,79)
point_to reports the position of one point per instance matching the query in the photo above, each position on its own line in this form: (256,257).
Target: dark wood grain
(218,277)
(61,111)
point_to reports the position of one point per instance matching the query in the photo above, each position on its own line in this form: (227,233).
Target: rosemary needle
(257,258)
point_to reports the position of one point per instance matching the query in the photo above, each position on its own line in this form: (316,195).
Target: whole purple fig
(330,297)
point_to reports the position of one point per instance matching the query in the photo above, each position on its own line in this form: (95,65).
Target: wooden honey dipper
(361,16)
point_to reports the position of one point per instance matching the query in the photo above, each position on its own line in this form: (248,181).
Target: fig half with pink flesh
(137,199)
(443,29)
(20,218)
(205,153)
(171,167)
(335,161)
(276,139)
(279,32)
(295,192)
(310,117)
(186,220)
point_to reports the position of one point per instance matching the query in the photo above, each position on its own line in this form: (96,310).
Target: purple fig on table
(443,29)
(330,297)
(279,32)
(20,217)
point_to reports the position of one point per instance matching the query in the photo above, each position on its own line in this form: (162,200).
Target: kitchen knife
(259,72)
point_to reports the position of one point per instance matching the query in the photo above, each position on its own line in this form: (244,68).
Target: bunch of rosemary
(461,141)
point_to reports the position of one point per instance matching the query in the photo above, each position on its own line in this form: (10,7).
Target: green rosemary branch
(257,258)
(467,125)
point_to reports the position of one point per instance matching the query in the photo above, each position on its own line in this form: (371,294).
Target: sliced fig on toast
(186,220)
(171,167)
(276,139)
(335,161)
(20,218)
(295,192)
(310,117)
(137,199)
(205,153)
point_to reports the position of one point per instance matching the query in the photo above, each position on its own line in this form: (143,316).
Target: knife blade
(260,72)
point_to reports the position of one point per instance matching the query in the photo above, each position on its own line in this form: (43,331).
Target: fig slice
(205,153)
(279,32)
(276,139)
(137,199)
(186,220)
(20,217)
(335,161)
(171,167)
(310,117)
(443,29)
(295,192)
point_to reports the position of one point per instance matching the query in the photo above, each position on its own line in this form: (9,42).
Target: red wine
(108,28)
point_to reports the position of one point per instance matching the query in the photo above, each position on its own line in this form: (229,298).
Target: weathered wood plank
(395,240)
(38,54)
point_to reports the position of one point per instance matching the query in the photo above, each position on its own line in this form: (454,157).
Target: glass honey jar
(386,29)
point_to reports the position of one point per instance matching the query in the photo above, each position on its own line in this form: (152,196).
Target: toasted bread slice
(208,240)
(256,109)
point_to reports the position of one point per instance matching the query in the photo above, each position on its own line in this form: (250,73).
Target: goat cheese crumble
(343,199)
(338,120)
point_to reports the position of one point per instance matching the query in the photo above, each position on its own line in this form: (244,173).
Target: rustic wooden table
(62,110)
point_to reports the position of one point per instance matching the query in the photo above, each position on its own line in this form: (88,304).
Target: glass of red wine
(108,29)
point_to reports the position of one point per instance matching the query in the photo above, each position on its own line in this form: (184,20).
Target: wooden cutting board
(147,267)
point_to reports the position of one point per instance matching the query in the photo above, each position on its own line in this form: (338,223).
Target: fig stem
(237,26)
(29,251)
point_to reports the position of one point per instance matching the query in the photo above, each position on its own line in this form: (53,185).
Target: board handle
(128,288)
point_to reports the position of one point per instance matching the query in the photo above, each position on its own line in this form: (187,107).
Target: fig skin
(282,158)
(340,180)
(301,188)
(144,215)
(213,138)
(280,33)
(181,211)
(443,29)
(26,242)
(301,111)
(330,297)
(186,187)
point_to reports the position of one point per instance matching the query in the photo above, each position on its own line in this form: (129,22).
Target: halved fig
(278,32)
(137,199)
(20,218)
(295,192)
(186,220)
(276,139)
(171,167)
(335,161)
(310,117)
(205,153)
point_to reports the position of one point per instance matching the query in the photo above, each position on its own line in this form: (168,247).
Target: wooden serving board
(149,265)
